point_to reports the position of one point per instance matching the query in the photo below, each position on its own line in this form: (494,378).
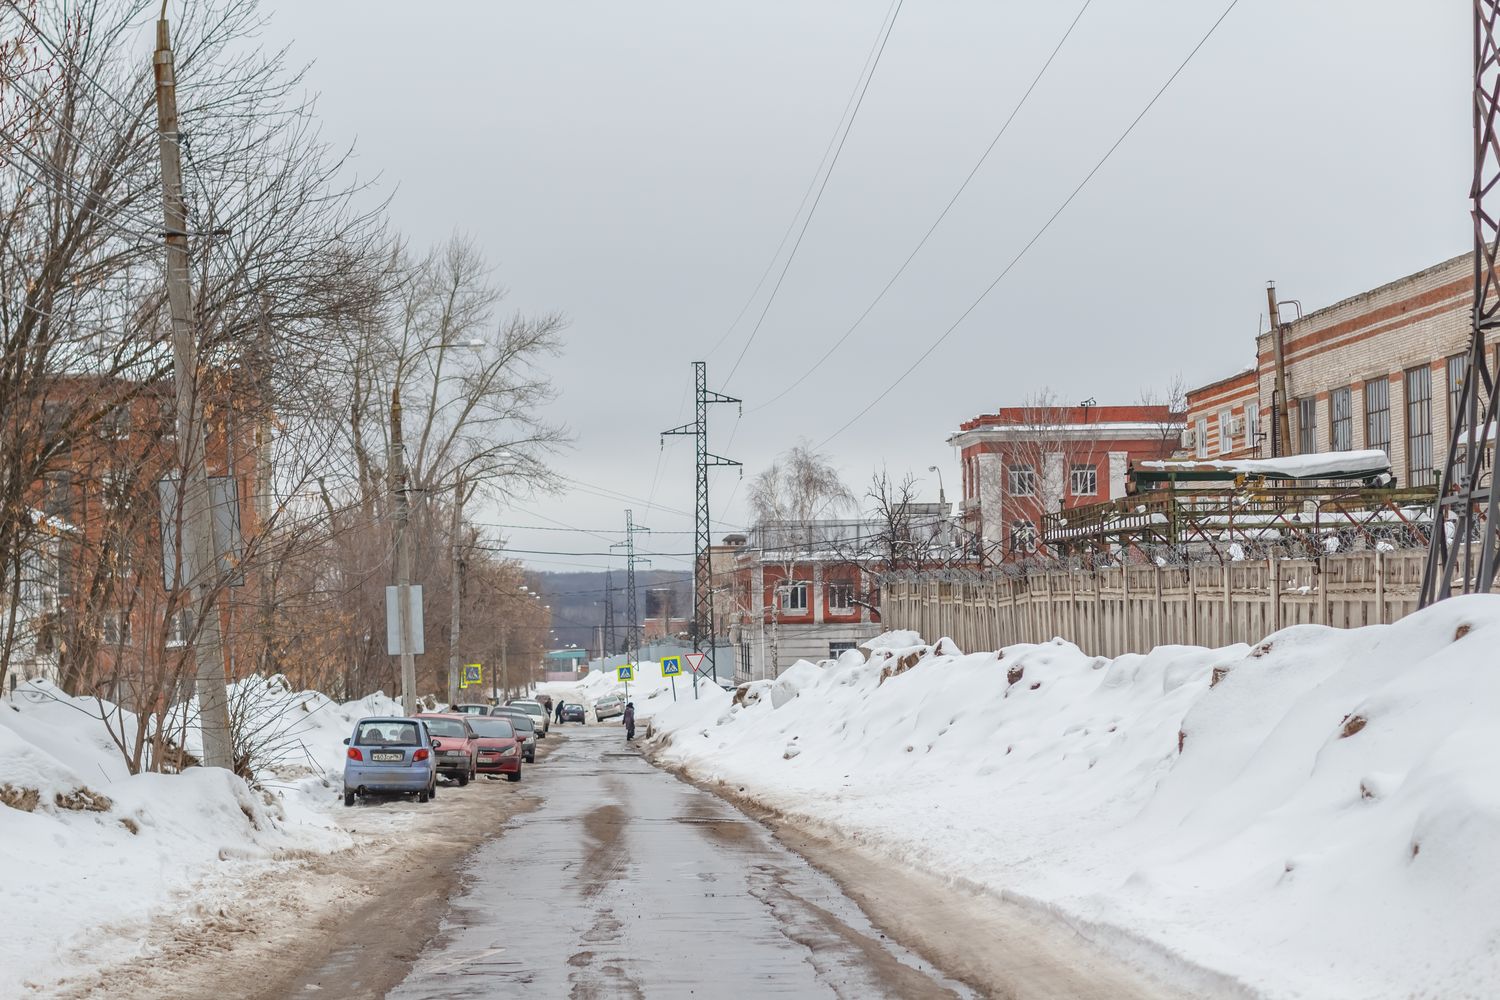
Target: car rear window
(389,733)
(447,727)
(495,729)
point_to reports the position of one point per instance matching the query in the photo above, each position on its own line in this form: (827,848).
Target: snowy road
(627,882)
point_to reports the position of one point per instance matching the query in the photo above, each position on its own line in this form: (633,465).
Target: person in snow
(559,711)
(629,721)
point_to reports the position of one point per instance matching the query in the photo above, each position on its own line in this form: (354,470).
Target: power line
(811,184)
(889,27)
(881,396)
(936,222)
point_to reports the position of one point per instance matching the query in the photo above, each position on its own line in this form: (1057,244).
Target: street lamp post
(942,499)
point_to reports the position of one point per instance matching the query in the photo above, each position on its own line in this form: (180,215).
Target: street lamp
(403,537)
(941,498)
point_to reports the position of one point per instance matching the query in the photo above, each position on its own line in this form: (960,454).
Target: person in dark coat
(559,711)
(629,720)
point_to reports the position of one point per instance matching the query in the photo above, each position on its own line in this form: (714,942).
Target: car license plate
(386,755)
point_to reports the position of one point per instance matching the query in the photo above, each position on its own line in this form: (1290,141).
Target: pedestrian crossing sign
(671,666)
(473,675)
(626,673)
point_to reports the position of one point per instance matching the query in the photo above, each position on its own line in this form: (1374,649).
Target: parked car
(609,706)
(499,746)
(524,727)
(470,708)
(536,711)
(574,713)
(390,755)
(454,743)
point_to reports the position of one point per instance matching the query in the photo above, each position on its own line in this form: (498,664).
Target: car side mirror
(346,741)
(435,744)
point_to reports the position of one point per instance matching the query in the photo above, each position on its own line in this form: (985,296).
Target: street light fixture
(941,498)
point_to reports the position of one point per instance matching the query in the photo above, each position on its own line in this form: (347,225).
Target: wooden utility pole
(1283,444)
(454,666)
(200,555)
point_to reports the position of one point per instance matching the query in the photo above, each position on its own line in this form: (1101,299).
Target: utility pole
(702,627)
(1467,499)
(632,622)
(454,666)
(1281,443)
(201,562)
(403,556)
(609,613)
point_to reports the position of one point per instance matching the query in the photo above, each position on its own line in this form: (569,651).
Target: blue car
(390,755)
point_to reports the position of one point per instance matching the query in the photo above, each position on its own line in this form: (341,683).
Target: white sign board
(393,621)
(695,662)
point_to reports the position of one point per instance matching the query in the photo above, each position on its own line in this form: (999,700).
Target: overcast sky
(635,165)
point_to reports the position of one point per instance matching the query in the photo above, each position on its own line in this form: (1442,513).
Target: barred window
(1419,471)
(1307,426)
(1341,419)
(1378,414)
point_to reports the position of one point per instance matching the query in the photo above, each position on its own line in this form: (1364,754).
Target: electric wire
(889,27)
(937,342)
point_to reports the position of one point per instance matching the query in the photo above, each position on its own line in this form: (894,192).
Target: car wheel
(463,778)
(422,796)
(348,797)
(513,776)
(432,788)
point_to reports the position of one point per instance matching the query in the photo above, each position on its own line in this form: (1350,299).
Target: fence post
(1380,587)
(1322,590)
(1158,613)
(1273,586)
(1192,604)
(1227,630)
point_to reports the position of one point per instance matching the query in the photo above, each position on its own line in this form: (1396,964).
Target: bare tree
(787,500)
(1168,427)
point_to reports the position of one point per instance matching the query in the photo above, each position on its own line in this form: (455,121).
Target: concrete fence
(1131,609)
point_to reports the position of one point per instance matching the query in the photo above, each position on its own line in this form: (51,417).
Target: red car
(454,745)
(500,746)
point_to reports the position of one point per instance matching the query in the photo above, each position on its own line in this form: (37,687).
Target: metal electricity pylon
(632,620)
(609,614)
(702,627)
(1461,555)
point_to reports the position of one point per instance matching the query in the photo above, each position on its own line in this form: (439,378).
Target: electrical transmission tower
(632,620)
(1464,561)
(609,614)
(702,630)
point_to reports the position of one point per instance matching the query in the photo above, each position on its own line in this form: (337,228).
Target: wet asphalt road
(627,882)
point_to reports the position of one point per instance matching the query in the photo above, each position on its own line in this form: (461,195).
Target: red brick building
(1022,461)
(1380,369)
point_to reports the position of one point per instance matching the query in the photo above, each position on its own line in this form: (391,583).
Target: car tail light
(354,754)
(419,755)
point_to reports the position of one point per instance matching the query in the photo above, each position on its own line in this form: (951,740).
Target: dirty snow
(83,885)
(1322,822)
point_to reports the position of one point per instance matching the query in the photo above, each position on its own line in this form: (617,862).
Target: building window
(1200,438)
(1307,426)
(114,484)
(1419,471)
(793,596)
(179,628)
(1226,437)
(1084,480)
(841,596)
(1341,419)
(1022,537)
(1458,367)
(837,649)
(57,495)
(114,425)
(1252,425)
(1378,414)
(1022,481)
(114,629)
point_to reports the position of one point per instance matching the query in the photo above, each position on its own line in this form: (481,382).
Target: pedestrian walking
(559,711)
(629,721)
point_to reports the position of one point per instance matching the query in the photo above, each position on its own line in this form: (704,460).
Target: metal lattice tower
(702,631)
(632,620)
(1467,501)
(609,613)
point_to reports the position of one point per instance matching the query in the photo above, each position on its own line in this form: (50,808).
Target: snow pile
(1314,817)
(649,691)
(86,846)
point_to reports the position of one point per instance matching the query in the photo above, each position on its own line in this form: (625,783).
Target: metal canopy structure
(1462,552)
(702,630)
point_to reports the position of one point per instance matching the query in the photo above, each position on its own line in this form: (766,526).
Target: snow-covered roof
(1323,465)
